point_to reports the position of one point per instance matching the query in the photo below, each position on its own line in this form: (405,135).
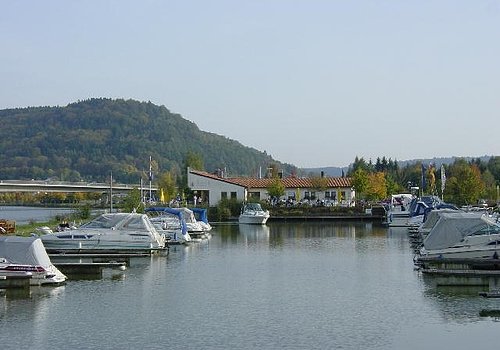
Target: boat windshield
(103,221)
(125,221)
(253,206)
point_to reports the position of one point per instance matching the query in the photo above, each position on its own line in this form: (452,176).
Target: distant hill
(89,139)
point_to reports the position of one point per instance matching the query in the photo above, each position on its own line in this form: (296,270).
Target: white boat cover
(24,250)
(452,228)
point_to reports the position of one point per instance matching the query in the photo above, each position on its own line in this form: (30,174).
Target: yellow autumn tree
(376,188)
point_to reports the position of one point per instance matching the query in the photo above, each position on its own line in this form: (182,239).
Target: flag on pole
(443,180)
(150,170)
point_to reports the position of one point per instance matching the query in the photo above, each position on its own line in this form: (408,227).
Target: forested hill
(89,139)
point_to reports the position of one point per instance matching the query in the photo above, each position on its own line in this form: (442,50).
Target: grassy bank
(28,229)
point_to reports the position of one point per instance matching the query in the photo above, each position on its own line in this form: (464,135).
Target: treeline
(91,139)
(465,182)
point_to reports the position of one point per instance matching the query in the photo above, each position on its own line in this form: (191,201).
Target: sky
(314,83)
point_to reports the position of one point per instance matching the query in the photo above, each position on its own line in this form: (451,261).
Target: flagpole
(111,192)
(150,180)
(443,181)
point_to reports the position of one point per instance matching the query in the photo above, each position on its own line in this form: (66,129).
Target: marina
(289,285)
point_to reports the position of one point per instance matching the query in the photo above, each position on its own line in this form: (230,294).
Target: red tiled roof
(288,182)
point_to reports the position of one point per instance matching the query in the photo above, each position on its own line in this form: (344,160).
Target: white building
(212,188)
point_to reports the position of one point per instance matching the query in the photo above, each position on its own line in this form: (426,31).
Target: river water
(25,215)
(322,285)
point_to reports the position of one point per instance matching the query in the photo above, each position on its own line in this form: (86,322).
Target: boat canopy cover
(451,228)
(201,214)
(433,216)
(185,213)
(418,205)
(24,250)
(171,211)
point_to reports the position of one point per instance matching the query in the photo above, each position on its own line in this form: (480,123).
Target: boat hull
(487,252)
(253,219)
(55,244)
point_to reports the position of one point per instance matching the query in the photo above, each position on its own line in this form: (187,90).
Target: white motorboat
(170,222)
(195,229)
(26,256)
(201,217)
(252,213)
(399,210)
(113,232)
(461,235)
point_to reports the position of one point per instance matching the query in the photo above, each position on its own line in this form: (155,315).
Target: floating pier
(92,268)
(96,258)
(15,281)
(461,272)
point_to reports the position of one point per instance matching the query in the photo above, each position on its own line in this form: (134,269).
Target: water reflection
(458,298)
(254,234)
(307,285)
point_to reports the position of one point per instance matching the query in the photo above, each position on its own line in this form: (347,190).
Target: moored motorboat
(252,213)
(202,217)
(170,222)
(398,210)
(111,232)
(195,228)
(462,235)
(26,256)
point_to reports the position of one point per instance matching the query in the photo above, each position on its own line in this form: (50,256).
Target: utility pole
(111,192)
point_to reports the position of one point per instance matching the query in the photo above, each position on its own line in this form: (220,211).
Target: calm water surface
(281,286)
(25,215)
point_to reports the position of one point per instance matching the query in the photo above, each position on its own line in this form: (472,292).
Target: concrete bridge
(67,187)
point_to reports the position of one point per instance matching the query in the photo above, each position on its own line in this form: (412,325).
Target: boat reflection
(253,234)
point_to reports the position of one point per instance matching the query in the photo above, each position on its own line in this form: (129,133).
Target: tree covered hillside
(89,139)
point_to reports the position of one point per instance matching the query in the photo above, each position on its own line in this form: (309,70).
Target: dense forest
(90,139)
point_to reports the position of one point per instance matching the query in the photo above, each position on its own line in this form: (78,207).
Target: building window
(223,195)
(254,195)
(313,195)
(233,195)
(307,195)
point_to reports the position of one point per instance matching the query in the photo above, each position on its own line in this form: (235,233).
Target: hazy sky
(313,83)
